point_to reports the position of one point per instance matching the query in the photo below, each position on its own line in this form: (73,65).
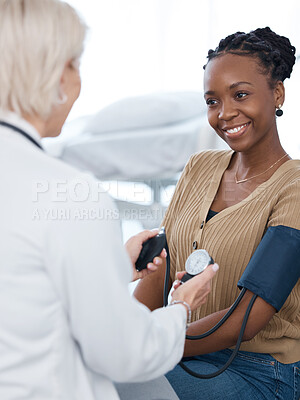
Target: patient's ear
(279,93)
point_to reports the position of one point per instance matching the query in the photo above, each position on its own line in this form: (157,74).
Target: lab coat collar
(14,119)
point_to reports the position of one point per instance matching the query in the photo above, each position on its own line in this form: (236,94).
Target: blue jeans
(251,376)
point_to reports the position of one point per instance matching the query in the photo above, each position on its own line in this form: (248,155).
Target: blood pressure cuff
(274,268)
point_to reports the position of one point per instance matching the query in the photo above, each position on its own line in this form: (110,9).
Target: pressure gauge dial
(196,263)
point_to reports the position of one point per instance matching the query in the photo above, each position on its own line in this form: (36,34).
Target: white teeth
(235,130)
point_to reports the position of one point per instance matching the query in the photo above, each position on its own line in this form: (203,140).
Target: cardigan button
(195,244)
(202,225)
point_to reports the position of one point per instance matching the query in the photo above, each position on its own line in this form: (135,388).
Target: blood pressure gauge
(196,263)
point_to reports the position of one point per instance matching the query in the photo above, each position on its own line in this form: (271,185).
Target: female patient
(224,202)
(68,326)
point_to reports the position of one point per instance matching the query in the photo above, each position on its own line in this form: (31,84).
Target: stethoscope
(23,133)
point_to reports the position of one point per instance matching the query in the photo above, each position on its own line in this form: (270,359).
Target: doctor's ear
(62,99)
(64,76)
(67,79)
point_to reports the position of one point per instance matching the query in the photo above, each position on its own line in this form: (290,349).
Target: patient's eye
(241,95)
(211,102)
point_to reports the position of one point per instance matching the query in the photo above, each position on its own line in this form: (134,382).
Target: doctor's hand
(133,247)
(194,291)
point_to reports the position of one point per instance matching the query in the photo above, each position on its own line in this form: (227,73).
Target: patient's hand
(133,247)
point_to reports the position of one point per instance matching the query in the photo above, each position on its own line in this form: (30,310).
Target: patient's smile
(235,130)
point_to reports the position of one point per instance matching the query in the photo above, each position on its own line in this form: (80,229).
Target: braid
(275,52)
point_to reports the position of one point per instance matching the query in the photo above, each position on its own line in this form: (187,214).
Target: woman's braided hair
(275,53)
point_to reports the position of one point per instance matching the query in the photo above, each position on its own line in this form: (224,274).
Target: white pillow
(148,111)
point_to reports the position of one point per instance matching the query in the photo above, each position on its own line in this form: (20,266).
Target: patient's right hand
(195,291)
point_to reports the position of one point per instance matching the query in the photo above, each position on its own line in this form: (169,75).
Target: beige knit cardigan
(231,238)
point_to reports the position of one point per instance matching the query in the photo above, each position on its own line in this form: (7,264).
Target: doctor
(68,325)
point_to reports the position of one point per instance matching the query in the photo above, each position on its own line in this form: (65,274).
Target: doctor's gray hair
(37,39)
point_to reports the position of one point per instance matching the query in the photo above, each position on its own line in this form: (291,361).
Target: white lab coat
(68,326)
